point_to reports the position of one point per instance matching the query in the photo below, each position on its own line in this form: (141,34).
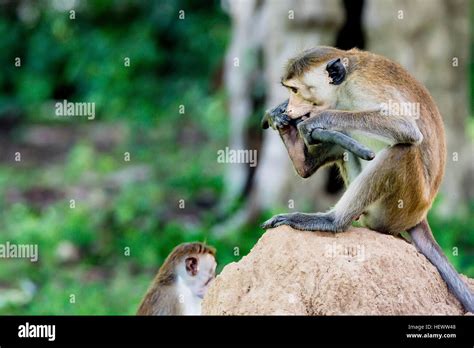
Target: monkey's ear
(191,265)
(336,70)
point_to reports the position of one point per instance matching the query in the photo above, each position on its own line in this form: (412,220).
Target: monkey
(378,104)
(181,282)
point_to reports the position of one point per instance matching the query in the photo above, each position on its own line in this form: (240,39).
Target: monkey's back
(159,300)
(417,170)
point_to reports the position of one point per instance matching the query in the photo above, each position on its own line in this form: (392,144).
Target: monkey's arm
(278,120)
(394,129)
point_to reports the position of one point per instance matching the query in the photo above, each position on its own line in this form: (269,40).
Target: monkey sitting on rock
(341,104)
(181,282)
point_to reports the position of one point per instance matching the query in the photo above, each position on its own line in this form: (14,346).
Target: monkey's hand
(306,222)
(277,117)
(314,133)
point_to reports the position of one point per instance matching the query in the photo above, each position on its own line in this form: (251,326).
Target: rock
(359,272)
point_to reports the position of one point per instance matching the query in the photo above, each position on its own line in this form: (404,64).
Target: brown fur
(161,298)
(309,59)
(418,171)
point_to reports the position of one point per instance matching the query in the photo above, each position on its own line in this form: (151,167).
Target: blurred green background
(119,204)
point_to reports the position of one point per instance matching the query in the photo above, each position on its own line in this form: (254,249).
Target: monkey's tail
(424,241)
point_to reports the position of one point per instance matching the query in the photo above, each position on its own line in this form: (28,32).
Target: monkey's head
(192,263)
(313,80)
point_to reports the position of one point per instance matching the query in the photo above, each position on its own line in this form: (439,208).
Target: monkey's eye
(294,89)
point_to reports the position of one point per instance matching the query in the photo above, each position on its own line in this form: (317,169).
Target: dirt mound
(315,273)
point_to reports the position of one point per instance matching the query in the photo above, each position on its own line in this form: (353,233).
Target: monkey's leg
(276,117)
(304,222)
(304,163)
(394,129)
(366,189)
(424,241)
(307,160)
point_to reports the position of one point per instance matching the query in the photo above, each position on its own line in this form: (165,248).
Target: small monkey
(352,100)
(181,282)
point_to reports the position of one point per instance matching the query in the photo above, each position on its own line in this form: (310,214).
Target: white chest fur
(190,304)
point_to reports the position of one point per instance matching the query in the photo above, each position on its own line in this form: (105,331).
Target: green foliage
(125,218)
(456,237)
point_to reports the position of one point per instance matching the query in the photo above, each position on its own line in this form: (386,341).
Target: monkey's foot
(276,118)
(324,222)
(279,121)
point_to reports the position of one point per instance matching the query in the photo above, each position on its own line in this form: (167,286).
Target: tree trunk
(278,29)
(428,40)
